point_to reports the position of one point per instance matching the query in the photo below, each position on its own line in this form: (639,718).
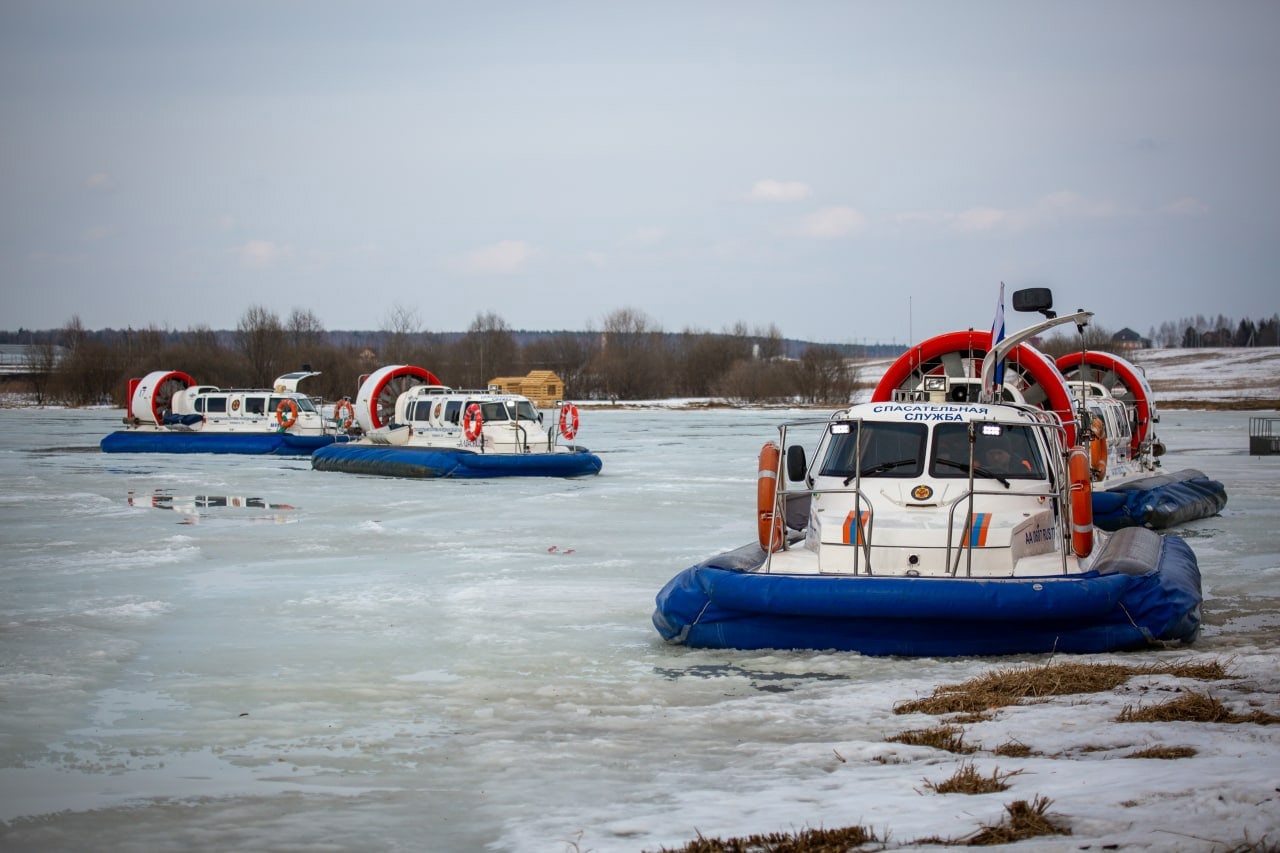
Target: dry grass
(806,841)
(949,738)
(1014,749)
(1251,404)
(967,780)
(974,701)
(1167,752)
(1022,820)
(1001,687)
(1194,708)
(968,717)
(1262,845)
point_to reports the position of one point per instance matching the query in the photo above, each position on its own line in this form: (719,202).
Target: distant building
(1128,339)
(543,387)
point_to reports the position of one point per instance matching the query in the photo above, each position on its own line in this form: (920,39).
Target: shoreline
(1261,406)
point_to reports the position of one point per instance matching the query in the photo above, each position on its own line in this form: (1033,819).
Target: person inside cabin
(998,458)
(1000,452)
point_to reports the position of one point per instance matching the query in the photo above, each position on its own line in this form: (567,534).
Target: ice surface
(394,664)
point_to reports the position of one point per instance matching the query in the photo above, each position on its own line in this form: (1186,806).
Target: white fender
(151,395)
(376,399)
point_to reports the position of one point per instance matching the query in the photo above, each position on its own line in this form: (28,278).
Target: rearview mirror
(1034,299)
(796,465)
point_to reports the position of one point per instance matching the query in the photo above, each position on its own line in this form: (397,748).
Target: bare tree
(73,333)
(631,364)
(261,339)
(40,361)
(1094,338)
(824,376)
(768,342)
(400,330)
(305,329)
(488,350)
(701,358)
(89,369)
(569,354)
(199,353)
(757,381)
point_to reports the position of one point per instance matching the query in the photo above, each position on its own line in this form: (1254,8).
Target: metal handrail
(1054,492)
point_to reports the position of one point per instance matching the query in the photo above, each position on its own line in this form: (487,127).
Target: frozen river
(227,652)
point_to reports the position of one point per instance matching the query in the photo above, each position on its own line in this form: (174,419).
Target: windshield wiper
(977,469)
(883,466)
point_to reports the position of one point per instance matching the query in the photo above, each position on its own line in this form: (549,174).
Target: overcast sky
(848,171)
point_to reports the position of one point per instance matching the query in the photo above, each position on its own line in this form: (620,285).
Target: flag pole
(997,335)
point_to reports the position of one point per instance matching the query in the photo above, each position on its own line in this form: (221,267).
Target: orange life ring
(770,523)
(1081,501)
(569,420)
(472,422)
(292,419)
(1098,450)
(344,414)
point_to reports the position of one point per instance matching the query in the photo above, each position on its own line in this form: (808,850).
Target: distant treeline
(628,358)
(1220,331)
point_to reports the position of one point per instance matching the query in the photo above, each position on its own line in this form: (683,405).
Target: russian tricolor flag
(997,335)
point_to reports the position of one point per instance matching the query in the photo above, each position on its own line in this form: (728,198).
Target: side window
(215,405)
(493,412)
(198,405)
(451,411)
(255,406)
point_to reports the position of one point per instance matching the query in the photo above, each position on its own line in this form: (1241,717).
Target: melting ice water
(243,652)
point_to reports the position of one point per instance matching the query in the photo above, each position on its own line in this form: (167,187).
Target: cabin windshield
(999,450)
(303,403)
(493,412)
(888,450)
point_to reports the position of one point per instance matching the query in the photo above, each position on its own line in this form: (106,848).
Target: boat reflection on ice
(195,507)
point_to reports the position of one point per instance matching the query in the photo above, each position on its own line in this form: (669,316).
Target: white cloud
(832,222)
(1185,206)
(99,182)
(979,219)
(926,217)
(650,235)
(1053,207)
(1065,204)
(502,258)
(260,254)
(771,190)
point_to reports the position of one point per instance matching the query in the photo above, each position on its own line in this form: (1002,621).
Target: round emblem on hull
(922,492)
